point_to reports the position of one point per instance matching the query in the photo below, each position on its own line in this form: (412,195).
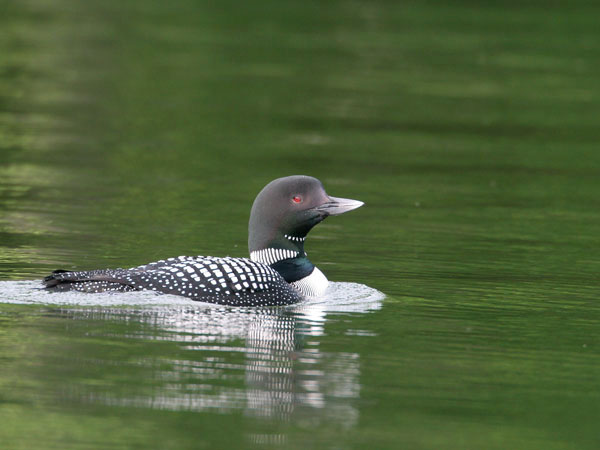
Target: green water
(132,131)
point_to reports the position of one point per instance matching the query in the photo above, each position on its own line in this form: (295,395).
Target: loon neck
(292,265)
(295,268)
(280,248)
(287,256)
(274,255)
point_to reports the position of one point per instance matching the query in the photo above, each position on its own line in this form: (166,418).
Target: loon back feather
(228,281)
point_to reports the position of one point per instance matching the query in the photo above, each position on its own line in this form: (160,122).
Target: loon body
(277,273)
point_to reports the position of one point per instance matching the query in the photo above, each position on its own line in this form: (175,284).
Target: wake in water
(339,297)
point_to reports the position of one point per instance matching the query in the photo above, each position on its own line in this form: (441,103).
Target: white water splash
(340,297)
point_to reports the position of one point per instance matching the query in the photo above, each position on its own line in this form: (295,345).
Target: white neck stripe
(272,255)
(294,238)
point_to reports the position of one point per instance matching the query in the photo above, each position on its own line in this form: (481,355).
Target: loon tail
(90,281)
(53,279)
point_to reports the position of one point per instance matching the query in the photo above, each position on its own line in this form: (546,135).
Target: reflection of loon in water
(284,374)
(277,273)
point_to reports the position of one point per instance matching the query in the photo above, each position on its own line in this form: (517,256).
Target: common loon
(277,273)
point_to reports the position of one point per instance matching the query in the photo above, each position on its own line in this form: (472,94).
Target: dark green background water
(131,131)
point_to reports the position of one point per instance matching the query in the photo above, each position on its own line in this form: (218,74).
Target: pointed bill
(337,205)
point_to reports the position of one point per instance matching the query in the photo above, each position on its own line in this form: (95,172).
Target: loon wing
(228,281)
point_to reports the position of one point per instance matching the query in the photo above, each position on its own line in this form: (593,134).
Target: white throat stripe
(294,238)
(272,255)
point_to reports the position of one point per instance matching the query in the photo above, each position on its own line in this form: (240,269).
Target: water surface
(139,131)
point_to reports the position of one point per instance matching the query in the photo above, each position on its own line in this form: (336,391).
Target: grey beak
(336,206)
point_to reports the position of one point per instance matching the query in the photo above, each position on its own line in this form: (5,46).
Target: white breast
(313,285)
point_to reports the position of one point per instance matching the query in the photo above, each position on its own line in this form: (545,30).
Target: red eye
(296,199)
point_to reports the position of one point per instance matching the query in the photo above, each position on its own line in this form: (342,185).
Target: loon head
(283,213)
